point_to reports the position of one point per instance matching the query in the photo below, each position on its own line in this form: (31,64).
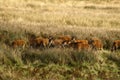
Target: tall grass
(62,63)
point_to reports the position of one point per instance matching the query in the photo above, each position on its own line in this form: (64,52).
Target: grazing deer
(116,45)
(96,44)
(57,43)
(79,44)
(40,42)
(19,43)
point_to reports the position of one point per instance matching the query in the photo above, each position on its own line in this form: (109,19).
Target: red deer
(96,44)
(39,42)
(116,45)
(57,43)
(80,44)
(18,43)
(82,41)
(66,39)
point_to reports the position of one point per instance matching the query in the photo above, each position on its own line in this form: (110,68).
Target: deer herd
(63,41)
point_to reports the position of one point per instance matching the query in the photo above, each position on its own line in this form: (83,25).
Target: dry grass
(68,17)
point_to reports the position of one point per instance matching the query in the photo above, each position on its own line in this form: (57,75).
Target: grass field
(80,18)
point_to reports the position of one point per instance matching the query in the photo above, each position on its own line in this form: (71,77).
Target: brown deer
(18,43)
(79,44)
(96,44)
(116,45)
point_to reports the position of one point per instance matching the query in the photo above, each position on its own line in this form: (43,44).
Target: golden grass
(40,15)
(79,14)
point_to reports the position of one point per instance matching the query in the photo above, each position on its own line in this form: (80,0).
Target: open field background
(80,18)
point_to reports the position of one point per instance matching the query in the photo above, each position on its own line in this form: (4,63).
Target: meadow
(81,18)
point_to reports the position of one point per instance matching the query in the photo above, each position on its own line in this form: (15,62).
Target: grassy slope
(84,19)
